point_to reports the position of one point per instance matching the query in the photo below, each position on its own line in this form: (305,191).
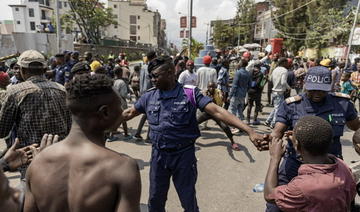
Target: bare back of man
(78,175)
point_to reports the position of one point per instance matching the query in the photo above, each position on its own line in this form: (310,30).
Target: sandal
(235,147)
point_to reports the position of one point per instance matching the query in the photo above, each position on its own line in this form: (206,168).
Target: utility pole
(190,26)
(58,27)
(207,32)
(352,35)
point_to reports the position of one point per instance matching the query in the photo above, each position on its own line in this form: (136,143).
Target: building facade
(264,27)
(32,16)
(135,22)
(6,27)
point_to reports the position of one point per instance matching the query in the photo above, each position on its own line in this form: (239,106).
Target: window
(31,12)
(115,26)
(47,2)
(65,4)
(133,38)
(43,15)
(41,2)
(32,26)
(115,16)
(132,29)
(138,37)
(132,19)
(16,9)
(139,17)
(60,5)
(138,27)
(18,22)
(115,6)
(33,0)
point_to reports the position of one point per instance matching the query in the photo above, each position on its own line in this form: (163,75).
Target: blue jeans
(237,106)
(278,99)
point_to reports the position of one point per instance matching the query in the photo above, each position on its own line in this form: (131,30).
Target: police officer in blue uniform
(62,71)
(317,100)
(171,113)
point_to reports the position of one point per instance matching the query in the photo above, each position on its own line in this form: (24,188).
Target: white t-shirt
(204,76)
(187,78)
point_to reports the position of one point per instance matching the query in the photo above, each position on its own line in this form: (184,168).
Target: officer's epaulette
(293,99)
(341,95)
(151,89)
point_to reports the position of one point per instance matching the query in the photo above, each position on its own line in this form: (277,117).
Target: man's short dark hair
(243,63)
(151,55)
(87,85)
(283,61)
(118,70)
(314,135)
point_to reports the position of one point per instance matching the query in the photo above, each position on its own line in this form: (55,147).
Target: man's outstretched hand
(46,141)
(259,141)
(15,158)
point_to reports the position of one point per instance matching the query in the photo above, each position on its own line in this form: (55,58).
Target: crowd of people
(57,114)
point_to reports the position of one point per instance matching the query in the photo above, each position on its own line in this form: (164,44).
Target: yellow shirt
(355,78)
(217,97)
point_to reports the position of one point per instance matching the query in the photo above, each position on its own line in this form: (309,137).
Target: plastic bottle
(258,188)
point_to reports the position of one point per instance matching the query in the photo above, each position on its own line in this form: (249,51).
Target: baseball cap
(207,59)
(80,66)
(325,62)
(318,78)
(157,62)
(31,56)
(189,62)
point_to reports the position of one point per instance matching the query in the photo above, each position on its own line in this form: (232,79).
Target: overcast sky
(205,10)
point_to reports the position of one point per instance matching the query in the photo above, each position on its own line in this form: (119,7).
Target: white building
(135,22)
(32,15)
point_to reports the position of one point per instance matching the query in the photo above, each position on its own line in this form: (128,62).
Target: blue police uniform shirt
(62,74)
(171,116)
(336,110)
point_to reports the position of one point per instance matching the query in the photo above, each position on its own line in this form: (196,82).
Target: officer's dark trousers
(181,166)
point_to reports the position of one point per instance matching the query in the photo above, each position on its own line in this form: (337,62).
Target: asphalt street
(225,177)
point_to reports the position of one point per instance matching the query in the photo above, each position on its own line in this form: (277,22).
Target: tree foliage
(316,25)
(223,35)
(246,16)
(195,47)
(90,16)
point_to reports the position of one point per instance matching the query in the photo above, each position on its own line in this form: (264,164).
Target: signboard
(184,34)
(193,22)
(356,37)
(183,22)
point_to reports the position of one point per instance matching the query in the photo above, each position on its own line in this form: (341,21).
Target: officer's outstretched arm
(353,124)
(279,130)
(228,118)
(130,113)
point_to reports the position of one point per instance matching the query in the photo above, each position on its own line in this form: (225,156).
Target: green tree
(223,35)
(316,25)
(246,16)
(90,16)
(329,24)
(195,47)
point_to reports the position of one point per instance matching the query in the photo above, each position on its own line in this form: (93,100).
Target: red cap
(189,62)
(290,62)
(4,78)
(207,60)
(247,54)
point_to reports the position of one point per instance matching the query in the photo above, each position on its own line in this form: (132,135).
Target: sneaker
(138,138)
(235,131)
(266,123)
(127,137)
(112,139)
(256,122)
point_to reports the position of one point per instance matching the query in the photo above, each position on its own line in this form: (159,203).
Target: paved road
(226,177)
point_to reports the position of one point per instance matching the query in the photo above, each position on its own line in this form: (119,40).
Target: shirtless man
(79,173)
